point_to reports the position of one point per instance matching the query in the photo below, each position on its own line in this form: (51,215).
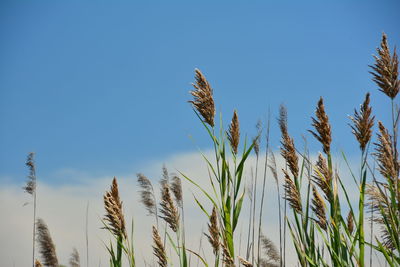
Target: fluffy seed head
(203,98)
(292,194)
(322,127)
(350,223)
(147,194)
(270,251)
(213,231)
(288,150)
(46,245)
(30,186)
(168,210)
(37,263)
(176,187)
(234,132)
(74,260)
(363,122)
(244,262)
(114,214)
(323,176)
(158,249)
(388,164)
(227,258)
(318,207)
(385,70)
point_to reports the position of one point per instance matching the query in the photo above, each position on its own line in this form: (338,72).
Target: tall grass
(325,226)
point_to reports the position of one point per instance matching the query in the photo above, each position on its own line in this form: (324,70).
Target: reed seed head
(244,262)
(350,223)
(227,258)
(158,249)
(37,263)
(388,164)
(176,187)
(292,194)
(270,251)
(273,167)
(213,231)
(385,70)
(288,150)
(363,122)
(322,127)
(234,132)
(318,207)
(147,194)
(30,186)
(203,98)
(168,210)
(74,260)
(323,177)
(114,214)
(47,248)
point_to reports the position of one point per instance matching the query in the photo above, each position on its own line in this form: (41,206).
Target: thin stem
(263,195)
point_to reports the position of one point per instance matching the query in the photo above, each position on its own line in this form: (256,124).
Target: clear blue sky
(102,86)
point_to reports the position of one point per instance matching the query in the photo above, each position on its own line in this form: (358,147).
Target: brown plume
(385,70)
(158,249)
(74,260)
(363,123)
(388,164)
(323,177)
(176,187)
(114,215)
(288,150)
(234,132)
(292,194)
(322,127)
(46,245)
(350,222)
(203,98)
(30,186)
(147,194)
(244,262)
(168,209)
(318,207)
(37,263)
(213,230)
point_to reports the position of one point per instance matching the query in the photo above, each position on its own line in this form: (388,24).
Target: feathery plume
(37,263)
(176,187)
(227,259)
(363,123)
(168,209)
(350,223)
(322,127)
(256,140)
(273,168)
(234,132)
(270,249)
(74,260)
(323,176)
(30,186)
(213,229)
(46,245)
(292,194)
(288,150)
(244,262)
(113,207)
(385,70)
(203,98)
(147,194)
(318,207)
(158,248)
(387,162)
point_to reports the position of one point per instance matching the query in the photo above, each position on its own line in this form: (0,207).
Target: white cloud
(64,210)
